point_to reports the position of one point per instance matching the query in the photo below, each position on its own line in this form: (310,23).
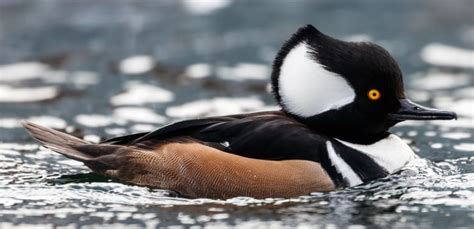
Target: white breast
(391,152)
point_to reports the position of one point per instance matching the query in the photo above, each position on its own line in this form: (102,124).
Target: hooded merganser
(338,101)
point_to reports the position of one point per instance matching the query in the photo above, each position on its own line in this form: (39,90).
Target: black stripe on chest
(364,166)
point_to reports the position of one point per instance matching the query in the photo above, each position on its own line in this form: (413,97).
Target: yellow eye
(373,94)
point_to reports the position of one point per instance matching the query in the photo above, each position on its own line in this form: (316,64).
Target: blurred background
(105,68)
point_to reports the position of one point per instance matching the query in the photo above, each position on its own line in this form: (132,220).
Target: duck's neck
(349,130)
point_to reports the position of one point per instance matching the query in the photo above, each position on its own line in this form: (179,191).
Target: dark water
(61,66)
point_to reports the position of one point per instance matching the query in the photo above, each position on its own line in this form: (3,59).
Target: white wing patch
(307,88)
(225,144)
(391,152)
(342,167)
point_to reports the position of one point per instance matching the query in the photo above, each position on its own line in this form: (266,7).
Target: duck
(337,99)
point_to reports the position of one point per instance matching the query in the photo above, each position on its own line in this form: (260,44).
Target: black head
(349,90)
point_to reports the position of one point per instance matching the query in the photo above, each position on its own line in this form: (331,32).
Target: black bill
(412,111)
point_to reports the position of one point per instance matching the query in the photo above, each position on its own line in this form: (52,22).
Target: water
(77,65)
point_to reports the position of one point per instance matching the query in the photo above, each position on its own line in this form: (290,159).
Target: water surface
(99,70)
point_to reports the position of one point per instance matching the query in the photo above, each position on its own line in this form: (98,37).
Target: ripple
(92,138)
(204,7)
(22,71)
(139,94)
(142,128)
(116,131)
(437,80)
(362,37)
(460,122)
(456,135)
(18,146)
(216,106)
(463,107)
(10,123)
(94,120)
(465,93)
(244,71)
(138,114)
(421,186)
(198,70)
(27,94)
(49,121)
(436,145)
(445,55)
(136,65)
(80,79)
(465,147)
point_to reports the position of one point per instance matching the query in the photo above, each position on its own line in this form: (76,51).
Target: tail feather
(57,141)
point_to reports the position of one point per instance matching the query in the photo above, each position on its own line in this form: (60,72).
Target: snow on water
(204,7)
(444,55)
(27,94)
(139,94)
(22,71)
(216,106)
(244,71)
(136,65)
(440,80)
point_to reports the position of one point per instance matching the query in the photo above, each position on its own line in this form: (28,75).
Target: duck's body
(266,154)
(191,168)
(330,133)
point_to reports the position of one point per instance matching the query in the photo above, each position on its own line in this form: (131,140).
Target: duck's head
(348,90)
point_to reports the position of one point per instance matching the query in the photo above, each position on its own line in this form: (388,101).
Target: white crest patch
(342,167)
(391,152)
(307,88)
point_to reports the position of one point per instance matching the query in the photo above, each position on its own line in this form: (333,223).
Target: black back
(264,135)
